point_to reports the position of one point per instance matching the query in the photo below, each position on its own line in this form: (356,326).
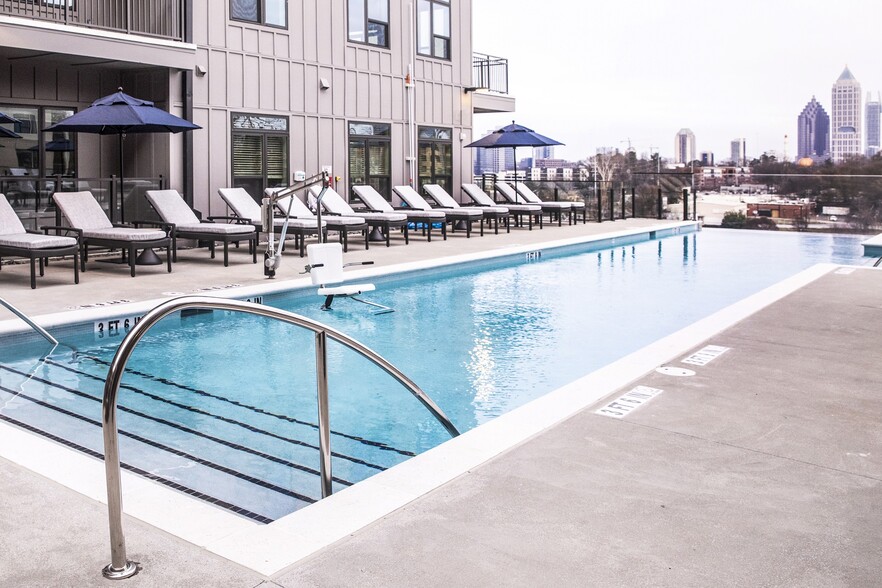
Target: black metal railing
(31,197)
(152,18)
(490,73)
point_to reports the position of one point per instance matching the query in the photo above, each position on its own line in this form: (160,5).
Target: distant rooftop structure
(845,131)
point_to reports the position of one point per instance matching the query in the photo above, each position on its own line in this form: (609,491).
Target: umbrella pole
(122,173)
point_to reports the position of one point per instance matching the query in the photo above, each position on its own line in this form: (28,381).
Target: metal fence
(490,73)
(154,18)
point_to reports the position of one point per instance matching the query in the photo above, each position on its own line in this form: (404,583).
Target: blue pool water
(225,408)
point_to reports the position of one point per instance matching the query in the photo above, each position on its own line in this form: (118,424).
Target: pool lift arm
(273,256)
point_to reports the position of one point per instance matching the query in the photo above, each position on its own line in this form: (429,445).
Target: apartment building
(376,91)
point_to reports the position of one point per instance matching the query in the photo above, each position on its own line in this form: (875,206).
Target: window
(435,158)
(269,12)
(433,27)
(260,153)
(369,22)
(370,156)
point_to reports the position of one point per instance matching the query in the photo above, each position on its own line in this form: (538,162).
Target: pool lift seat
(326,271)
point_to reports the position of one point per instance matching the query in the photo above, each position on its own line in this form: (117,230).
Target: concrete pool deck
(761,469)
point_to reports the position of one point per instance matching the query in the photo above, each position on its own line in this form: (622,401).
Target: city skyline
(647,70)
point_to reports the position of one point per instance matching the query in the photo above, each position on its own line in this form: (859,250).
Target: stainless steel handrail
(30,323)
(120,567)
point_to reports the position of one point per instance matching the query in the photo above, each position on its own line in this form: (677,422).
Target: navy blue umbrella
(513,136)
(6,133)
(120,114)
(5,118)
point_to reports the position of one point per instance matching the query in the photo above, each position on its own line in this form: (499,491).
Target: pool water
(225,408)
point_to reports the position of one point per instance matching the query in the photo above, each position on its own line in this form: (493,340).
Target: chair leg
(33,274)
(132,251)
(168,258)
(76,268)
(226,254)
(389,233)
(252,243)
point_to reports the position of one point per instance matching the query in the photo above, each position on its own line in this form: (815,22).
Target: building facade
(378,92)
(813,131)
(684,146)
(846,114)
(874,127)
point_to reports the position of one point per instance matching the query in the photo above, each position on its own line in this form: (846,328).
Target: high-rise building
(684,146)
(491,161)
(739,151)
(874,129)
(845,131)
(544,152)
(813,131)
(707,158)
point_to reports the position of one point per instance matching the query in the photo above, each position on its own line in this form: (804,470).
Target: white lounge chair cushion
(34,241)
(334,203)
(343,220)
(241,203)
(441,196)
(346,289)
(125,234)
(171,207)
(10,224)
(82,211)
(532,198)
(216,228)
(373,199)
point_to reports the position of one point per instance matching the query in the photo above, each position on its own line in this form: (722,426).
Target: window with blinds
(370,156)
(260,153)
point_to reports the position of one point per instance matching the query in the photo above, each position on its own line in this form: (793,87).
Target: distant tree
(734,219)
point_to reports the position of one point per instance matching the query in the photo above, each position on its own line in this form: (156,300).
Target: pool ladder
(30,323)
(120,567)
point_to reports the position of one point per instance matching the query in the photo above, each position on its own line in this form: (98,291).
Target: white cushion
(10,224)
(82,211)
(126,234)
(33,241)
(217,228)
(171,207)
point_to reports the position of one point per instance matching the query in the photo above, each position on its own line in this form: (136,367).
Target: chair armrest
(232,219)
(58,229)
(169,228)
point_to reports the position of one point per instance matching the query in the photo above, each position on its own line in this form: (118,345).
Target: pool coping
(270,549)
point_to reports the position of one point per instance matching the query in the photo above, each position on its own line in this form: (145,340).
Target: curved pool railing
(45,334)
(120,567)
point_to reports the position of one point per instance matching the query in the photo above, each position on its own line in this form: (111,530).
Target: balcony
(163,19)
(490,85)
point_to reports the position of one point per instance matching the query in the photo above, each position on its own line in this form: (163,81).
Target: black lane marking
(286,418)
(193,409)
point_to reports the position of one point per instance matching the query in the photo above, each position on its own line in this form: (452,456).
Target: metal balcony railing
(490,73)
(153,18)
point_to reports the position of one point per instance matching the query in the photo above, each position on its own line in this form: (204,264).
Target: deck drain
(670,370)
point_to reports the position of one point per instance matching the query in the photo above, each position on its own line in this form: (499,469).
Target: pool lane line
(184,407)
(167,423)
(156,445)
(143,473)
(378,444)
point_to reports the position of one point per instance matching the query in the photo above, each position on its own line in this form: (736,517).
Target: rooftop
(760,469)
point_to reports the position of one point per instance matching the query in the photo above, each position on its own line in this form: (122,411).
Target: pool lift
(325,259)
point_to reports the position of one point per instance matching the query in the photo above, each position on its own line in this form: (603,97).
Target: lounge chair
(576,206)
(553,209)
(375,202)
(382,221)
(518,211)
(245,207)
(15,241)
(490,214)
(86,218)
(452,215)
(184,224)
(342,224)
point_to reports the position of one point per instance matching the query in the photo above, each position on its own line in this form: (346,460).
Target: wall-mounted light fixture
(324,84)
(200,71)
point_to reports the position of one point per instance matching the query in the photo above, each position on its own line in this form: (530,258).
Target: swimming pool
(207,412)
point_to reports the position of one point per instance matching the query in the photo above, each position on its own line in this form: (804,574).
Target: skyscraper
(544,152)
(739,151)
(874,130)
(684,146)
(845,132)
(813,131)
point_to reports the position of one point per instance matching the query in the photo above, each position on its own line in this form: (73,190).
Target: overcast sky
(596,74)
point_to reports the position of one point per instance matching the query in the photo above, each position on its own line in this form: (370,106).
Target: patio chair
(453,215)
(343,225)
(378,221)
(489,214)
(553,209)
(15,241)
(576,206)
(88,220)
(518,211)
(425,218)
(184,224)
(245,207)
